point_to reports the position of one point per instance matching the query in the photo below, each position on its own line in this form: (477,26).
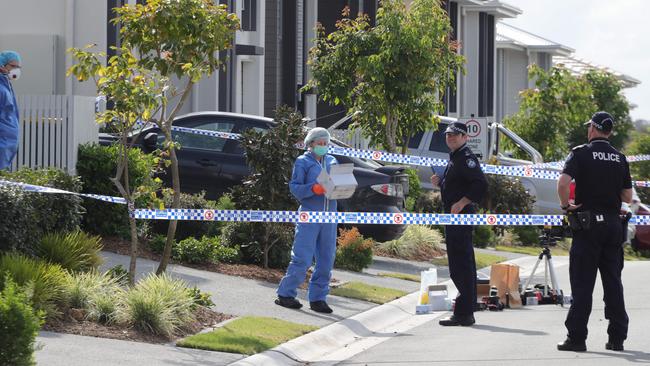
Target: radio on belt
(339,183)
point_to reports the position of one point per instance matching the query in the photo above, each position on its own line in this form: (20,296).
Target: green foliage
(201,298)
(608,95)
(192,250)
(195,229)
(96,165)
(252,237)
(271,156)
(19,325)
(483,236)
(429,202)
(418,242)
(527,235)
(396,72)
(551,114)
(27,216)
(640,145)
(415,190)
(158,304)
(75,251)
(44,282)
(119,274)
(157,244)
(83,289)
(506,195)
(353,252)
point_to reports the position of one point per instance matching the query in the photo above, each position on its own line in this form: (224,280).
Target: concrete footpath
(511,337)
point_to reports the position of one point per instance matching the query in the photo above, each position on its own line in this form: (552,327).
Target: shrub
(17,223)
(82,287)
(201,298)
(158,304)
(157,244)
(506,195)
(38,213)
(418,242)
(75,252)
(192,250)
(194,229)
(45,281)
(483,236)
(527,235)
(415,190)
(353,252)
(249,238)
(19,325)
(120,274)
(429,202)
(104,296)
(96,165)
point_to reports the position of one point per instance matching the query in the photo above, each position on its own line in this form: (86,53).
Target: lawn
(247,335)
(401,276)
(482,260)
(361,291)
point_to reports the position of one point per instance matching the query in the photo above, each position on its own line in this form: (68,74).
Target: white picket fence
(51,129)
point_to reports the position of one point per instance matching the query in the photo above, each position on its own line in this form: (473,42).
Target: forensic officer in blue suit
(462,185)
(602,182)
(9,70)
(312,241)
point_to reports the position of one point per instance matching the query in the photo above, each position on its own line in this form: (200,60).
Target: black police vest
(601,173)
(463,178)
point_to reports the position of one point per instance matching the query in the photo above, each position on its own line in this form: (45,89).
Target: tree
(640,170)
(271,156)
(551,115)
(395,73)
(162,39)
(608,95)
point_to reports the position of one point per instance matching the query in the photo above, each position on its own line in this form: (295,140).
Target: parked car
(214,165)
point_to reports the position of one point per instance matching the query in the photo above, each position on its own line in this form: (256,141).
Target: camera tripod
(549,271)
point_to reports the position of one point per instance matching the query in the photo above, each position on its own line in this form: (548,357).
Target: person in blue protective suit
(9,70)
(312,241)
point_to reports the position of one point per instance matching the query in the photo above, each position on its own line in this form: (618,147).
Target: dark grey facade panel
(486,65)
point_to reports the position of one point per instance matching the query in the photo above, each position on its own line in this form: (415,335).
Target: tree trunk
(176,203)
(267,245)
(132,225)
(391,132)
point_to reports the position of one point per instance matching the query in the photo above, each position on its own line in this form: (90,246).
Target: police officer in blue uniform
(602,182)
(461,186)
(313,241)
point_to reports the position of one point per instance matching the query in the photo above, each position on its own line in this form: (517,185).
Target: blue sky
(608,33)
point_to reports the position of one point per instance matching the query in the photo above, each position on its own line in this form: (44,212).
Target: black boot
(571,345)
(456,320)
(288,302)
(614,345)
(320,307)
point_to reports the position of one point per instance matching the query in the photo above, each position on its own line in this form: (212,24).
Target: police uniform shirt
(463,177)
(600,173)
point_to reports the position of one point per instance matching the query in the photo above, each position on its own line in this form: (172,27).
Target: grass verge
(401,276)
(247,335)
(531,250)
(361,291)
(482,260)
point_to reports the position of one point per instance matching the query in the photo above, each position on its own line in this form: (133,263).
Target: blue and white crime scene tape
(527,171)
(41,189)
(379,218)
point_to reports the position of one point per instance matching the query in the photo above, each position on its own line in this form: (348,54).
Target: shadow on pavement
(495,329)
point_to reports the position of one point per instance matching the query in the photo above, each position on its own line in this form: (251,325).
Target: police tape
(41,189)
(525,171)
(379,218)
(363,218)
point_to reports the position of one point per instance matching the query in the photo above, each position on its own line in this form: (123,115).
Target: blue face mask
(320,150)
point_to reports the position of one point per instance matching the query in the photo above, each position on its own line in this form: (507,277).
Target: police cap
(603,121)
(456,127)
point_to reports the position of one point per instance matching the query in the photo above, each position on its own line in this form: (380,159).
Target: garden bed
(73,323)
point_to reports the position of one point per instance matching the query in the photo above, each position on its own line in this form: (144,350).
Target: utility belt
(585,220)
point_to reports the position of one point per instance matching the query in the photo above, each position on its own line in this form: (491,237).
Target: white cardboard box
(339,183)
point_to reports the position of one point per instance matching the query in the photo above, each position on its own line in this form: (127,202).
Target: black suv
(214,165)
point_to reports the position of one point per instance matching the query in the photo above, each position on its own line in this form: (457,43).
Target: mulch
(74,322)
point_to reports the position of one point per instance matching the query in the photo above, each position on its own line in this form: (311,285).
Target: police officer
(462,184)
(602,181)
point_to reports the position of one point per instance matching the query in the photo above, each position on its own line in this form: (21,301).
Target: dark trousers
(462,267)
(598,248)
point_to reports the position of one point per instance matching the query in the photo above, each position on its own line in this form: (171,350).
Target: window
(414,142)
(194,141)
(438,143)
(249,15)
